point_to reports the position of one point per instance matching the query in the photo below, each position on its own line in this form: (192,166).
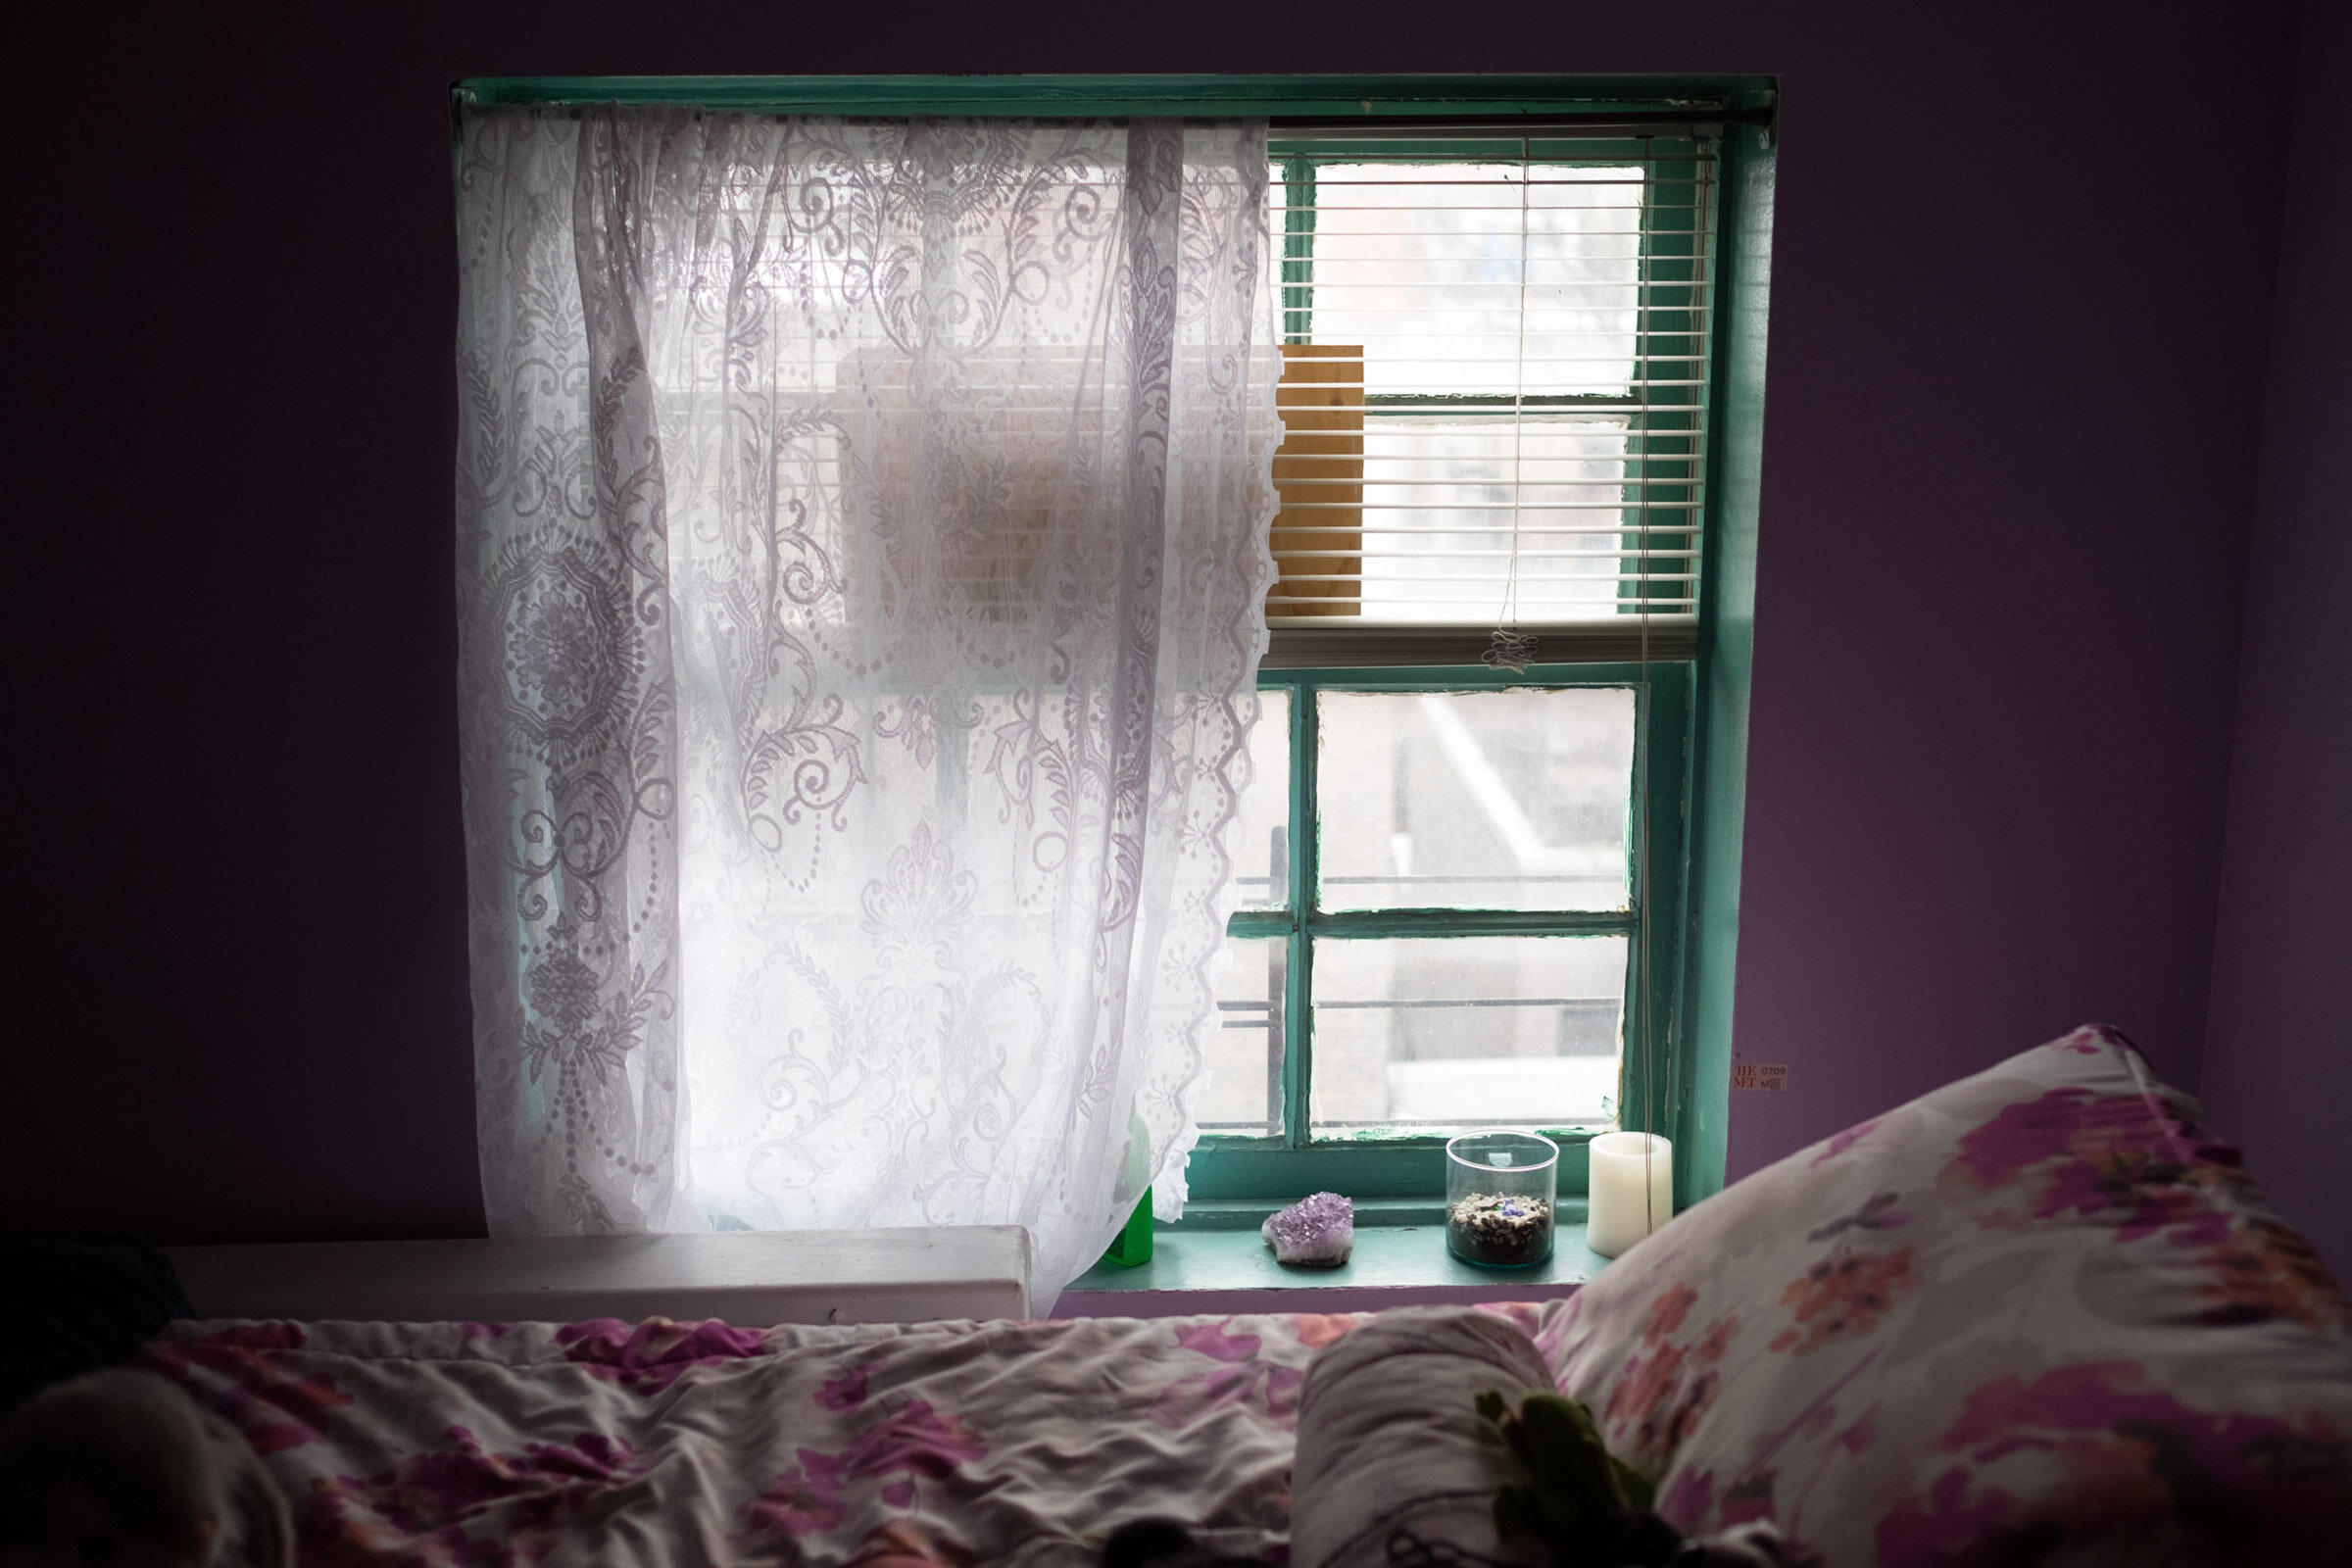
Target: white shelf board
(751,1278)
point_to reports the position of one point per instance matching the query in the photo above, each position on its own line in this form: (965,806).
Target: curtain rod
(1289,102)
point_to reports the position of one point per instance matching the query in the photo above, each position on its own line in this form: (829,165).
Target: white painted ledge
(750,1278)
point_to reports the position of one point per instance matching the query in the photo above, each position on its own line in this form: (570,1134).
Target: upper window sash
(1494,383)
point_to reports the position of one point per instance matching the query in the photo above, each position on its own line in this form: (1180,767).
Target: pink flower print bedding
(2039,1316)
(493,1446)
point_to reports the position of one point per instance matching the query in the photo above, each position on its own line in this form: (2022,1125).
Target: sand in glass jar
(1499,1191)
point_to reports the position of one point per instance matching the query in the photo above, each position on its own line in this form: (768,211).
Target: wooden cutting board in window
(1319,477)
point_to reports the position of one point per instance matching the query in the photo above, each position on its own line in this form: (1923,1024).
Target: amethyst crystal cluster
(1319,1230)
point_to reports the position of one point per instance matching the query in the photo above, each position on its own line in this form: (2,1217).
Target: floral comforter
(661,1443)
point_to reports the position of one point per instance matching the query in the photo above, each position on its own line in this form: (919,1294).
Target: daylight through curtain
(861,558)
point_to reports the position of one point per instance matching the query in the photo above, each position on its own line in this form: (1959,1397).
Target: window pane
(1244,1052)
(1510,800)
(1262,863)
(1426,267)
(1467,1030)
(1442,496)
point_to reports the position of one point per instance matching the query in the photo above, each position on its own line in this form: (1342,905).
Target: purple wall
(2018,340)
(2278,1040)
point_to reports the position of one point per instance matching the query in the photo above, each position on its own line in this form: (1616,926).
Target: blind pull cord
(1510,647)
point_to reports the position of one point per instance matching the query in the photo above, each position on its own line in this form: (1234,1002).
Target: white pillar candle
(1631,1191)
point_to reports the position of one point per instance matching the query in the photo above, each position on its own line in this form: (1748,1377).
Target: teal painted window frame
(1391,1178)
(1690,749)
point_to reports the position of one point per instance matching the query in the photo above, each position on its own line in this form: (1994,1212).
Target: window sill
(1197,1271)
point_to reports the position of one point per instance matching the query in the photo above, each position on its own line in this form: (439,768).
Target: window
(1466,887)
(1523,331)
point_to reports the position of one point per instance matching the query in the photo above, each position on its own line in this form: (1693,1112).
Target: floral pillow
(2039,1315)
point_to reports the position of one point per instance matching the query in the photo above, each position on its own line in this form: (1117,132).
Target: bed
(699,1442)
(2040,1314)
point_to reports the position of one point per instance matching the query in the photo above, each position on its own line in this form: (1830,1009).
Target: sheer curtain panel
(861,563)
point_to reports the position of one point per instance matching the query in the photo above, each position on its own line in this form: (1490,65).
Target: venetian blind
(1495,375)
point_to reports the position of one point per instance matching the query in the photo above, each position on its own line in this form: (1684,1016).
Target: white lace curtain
(860,554)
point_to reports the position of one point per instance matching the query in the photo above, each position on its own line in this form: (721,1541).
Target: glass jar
(1500,1193)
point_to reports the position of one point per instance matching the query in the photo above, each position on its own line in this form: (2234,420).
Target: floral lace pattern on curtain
(862,547)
